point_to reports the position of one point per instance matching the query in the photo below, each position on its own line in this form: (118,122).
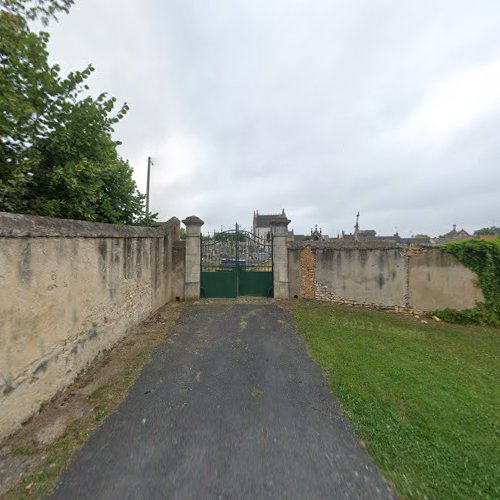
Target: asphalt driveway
(234,408)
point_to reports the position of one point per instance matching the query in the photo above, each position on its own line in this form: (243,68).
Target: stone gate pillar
(279,228)
(193,257)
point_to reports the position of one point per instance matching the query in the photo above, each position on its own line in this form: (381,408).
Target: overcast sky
(321,107)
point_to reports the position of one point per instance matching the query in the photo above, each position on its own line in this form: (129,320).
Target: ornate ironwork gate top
(236,262)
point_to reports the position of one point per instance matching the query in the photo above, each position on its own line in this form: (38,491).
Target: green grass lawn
(424,398)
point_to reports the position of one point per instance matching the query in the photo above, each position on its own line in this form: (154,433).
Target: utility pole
(147,186)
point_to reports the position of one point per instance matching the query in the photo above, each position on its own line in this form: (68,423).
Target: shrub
(482,257)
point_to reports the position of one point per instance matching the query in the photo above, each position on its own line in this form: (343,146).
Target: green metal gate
(236,263)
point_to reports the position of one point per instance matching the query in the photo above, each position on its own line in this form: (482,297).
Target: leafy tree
(57,155)
(36,9)
(493,230)
(421,236)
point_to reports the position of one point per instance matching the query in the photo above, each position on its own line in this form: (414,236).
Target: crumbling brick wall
(307,273)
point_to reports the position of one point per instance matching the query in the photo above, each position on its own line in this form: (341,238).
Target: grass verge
(425,398)
(57,456)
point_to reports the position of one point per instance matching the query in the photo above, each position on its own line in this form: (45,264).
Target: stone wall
(382,275)
(438,280)
(69,290)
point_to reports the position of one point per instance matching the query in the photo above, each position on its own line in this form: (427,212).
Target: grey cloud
(299,105)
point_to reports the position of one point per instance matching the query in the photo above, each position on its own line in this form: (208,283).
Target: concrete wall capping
(280,221)
(32,226)
(345,244)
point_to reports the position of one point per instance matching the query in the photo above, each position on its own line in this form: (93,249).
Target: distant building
(317,234)
(365,235)
(456,235)
(452,235)
(262,223)
(359,234)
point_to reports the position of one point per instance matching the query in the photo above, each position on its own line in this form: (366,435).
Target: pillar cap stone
(192,220)
(280,221)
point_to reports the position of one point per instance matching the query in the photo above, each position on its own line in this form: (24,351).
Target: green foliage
(257,393)
(482,257)
(493,230)
(36,9)
(148,220)
(26,449)
(57,155)
(421,236)
(422,397)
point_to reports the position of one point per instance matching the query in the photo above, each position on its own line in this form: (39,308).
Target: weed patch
(257,393)
(28,449)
